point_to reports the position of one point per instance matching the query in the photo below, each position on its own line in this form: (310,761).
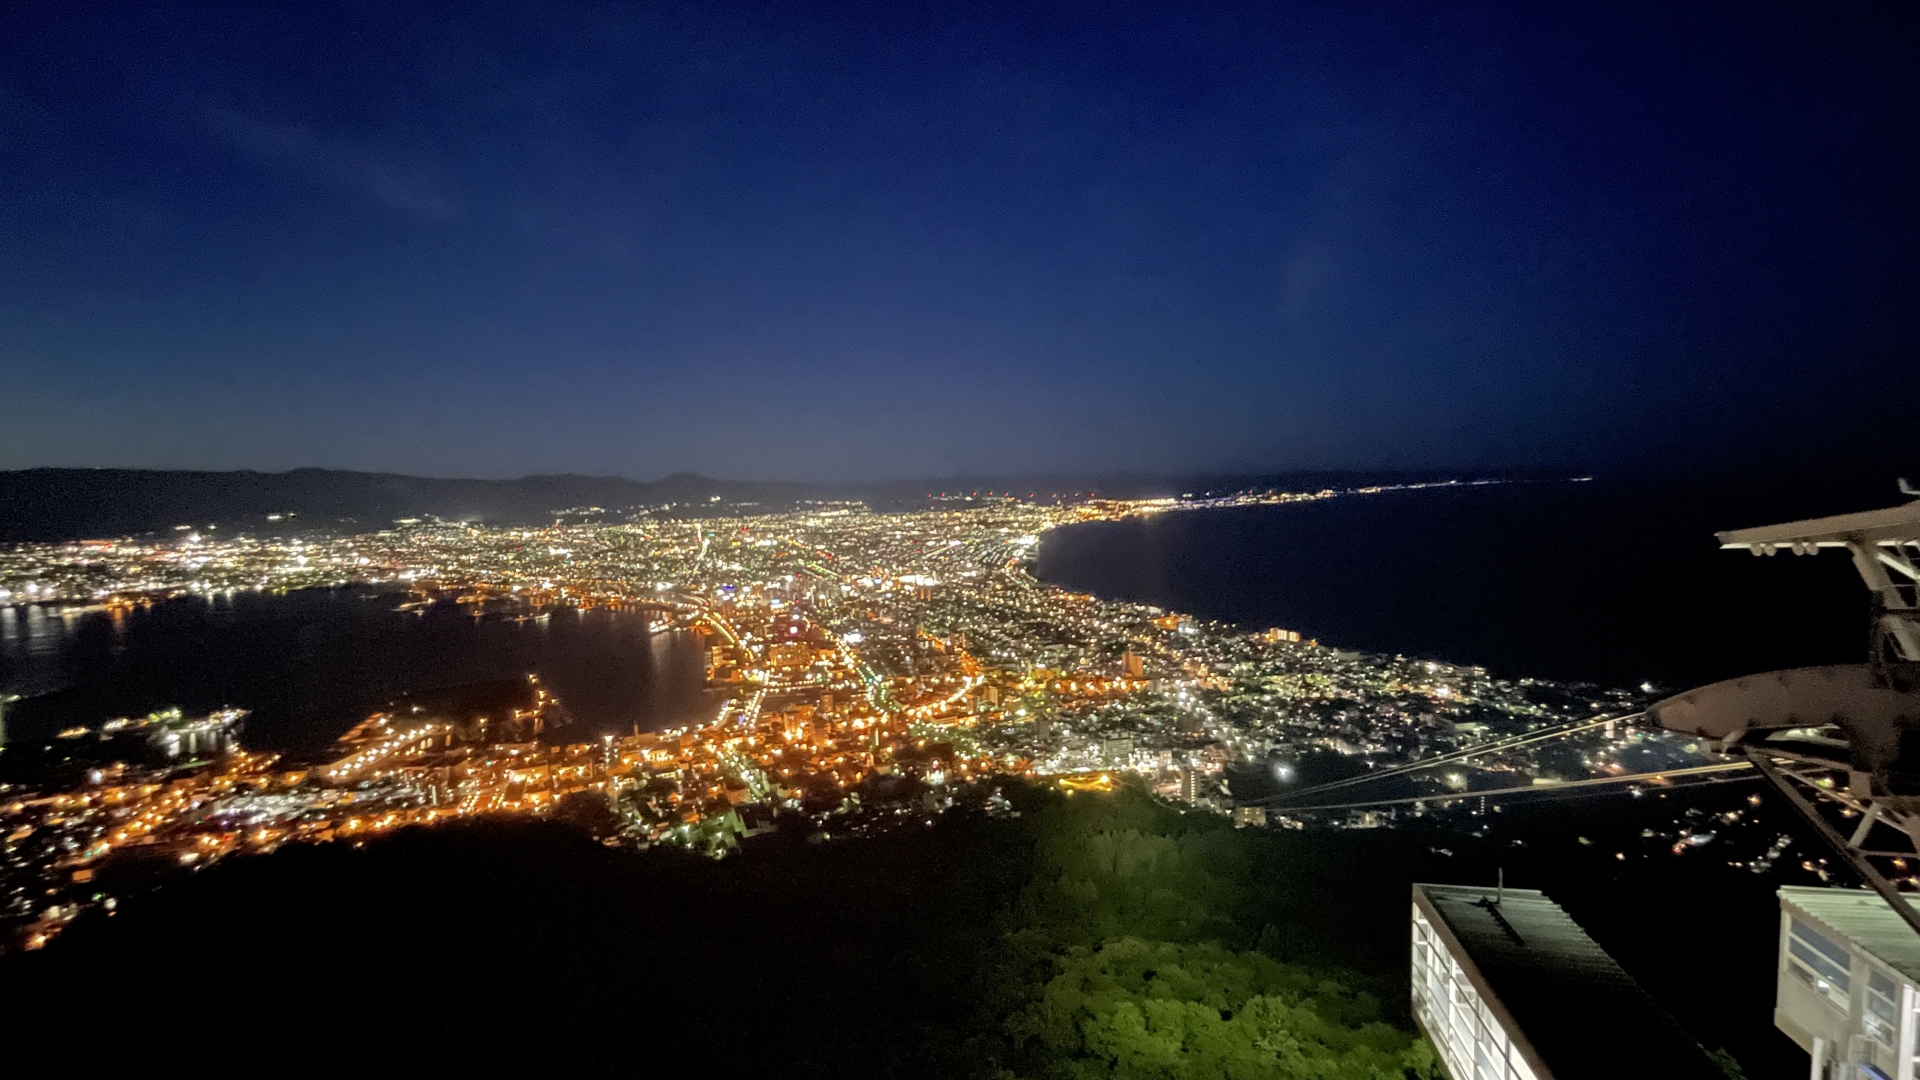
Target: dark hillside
(985,946)
(943,952)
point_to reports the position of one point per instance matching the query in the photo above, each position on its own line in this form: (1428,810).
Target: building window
(1883,1011)
(1820,962)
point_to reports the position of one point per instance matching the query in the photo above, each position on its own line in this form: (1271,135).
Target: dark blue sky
(903,240)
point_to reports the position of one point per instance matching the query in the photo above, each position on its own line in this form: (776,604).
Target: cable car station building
(1848,970)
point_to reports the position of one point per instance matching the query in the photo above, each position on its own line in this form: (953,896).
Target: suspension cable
(1509,743)
(1547,789)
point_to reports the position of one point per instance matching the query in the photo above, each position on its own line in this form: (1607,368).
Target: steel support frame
(1896,618)
(1849,850)
(1897,607)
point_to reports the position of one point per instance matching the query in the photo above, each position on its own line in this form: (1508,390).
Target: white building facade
(1475,1040)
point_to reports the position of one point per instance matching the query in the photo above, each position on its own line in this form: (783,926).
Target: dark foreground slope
(1086,937)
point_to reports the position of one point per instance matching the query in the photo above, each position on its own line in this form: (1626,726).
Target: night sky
(845,242)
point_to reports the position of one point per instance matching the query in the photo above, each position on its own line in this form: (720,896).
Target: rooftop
(1559,988)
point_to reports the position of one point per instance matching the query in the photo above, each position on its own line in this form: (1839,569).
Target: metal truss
(1885,547)
(1846,735)
(1793,775)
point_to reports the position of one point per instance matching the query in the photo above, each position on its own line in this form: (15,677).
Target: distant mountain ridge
(71,504)
(65,504)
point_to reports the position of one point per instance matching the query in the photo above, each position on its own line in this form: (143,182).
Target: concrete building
(1509,987)
(1848,968)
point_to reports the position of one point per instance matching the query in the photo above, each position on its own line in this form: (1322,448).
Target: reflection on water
(309,664)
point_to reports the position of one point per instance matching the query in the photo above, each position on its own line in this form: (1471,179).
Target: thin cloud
(347,167)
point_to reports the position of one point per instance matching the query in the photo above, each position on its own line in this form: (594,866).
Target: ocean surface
(1610,582)
(310,664)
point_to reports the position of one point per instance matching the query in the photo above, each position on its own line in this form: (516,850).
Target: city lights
(854,653)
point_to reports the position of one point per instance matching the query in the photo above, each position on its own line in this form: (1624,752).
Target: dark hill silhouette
(64,504)
(73,504)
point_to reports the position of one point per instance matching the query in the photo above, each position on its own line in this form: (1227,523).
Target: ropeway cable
(1455,755)
(1495,747)
(1538,789)
(1510,743)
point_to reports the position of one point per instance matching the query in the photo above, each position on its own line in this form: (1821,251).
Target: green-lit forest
(1036,935)
(1135,941)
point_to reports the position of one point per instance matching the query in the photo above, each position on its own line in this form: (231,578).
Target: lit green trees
(1136,1009)
(1129,955)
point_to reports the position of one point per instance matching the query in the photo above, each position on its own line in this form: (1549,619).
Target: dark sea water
(1604,581)
(312,663)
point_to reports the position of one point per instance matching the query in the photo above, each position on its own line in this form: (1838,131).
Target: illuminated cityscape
(1008,542)
(863,662)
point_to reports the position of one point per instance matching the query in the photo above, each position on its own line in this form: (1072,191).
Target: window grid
(1820,963)
(1882,1019)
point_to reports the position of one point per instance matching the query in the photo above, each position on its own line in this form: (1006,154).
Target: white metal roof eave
(1895,523)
